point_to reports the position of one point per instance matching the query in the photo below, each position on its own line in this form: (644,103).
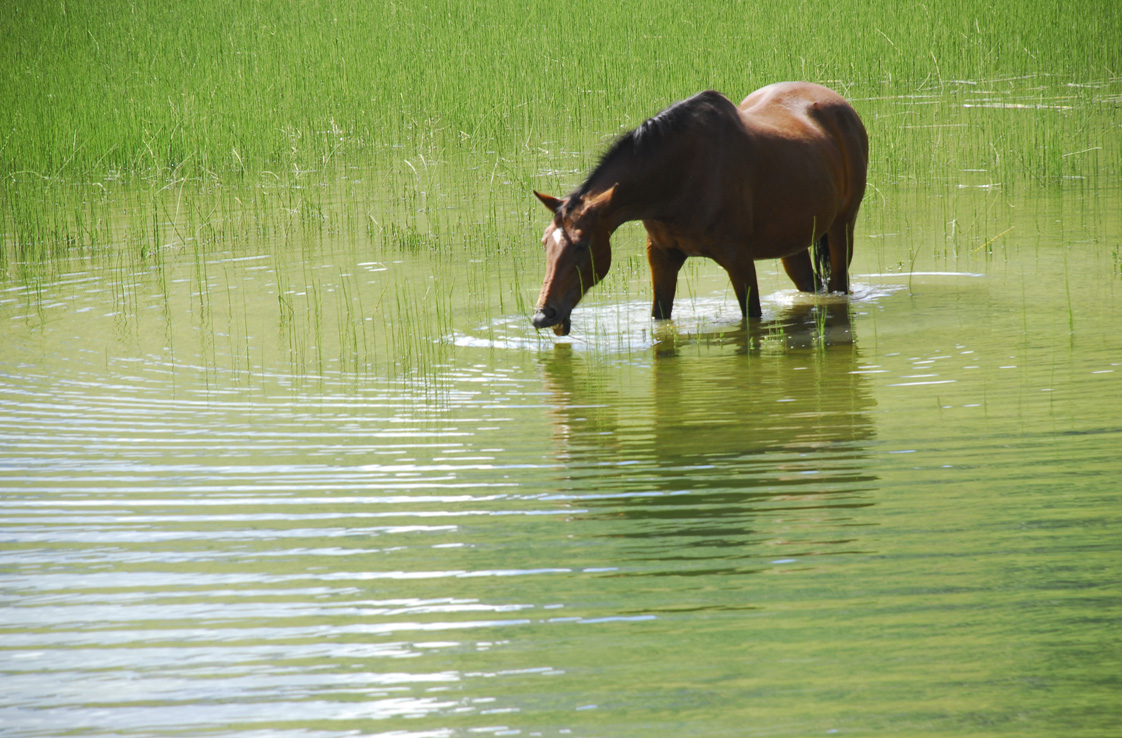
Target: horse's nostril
(544,317)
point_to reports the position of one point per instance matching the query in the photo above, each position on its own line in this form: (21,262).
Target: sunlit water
(892,514)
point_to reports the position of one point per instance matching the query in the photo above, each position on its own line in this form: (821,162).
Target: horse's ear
(605,197)
(550,202)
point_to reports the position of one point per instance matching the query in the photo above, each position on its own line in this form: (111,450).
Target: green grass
(98,87)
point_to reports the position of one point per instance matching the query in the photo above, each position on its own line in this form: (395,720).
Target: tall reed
(222,87)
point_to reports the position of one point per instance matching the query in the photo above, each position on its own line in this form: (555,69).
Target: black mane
(650,136)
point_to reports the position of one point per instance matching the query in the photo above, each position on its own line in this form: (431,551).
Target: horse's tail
(821,256)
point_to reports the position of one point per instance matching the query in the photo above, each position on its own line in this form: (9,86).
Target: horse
(767,179)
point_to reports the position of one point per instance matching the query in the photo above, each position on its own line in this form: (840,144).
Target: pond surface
(331,490)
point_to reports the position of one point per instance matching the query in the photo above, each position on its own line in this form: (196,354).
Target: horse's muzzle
(544,317)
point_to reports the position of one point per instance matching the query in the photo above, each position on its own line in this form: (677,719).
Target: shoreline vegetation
(221,90)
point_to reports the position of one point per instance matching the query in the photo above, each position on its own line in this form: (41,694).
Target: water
(228,509)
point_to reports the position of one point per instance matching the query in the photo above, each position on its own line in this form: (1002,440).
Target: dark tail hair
(821,258)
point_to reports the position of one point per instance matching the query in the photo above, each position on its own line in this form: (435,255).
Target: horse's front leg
(665,264)
(742,272)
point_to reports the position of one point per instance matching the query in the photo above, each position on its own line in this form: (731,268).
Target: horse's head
(577,256)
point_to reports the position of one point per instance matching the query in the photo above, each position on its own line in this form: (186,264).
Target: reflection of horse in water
(707,429)
(819,323)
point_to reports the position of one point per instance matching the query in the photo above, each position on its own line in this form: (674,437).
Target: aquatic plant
(224,89)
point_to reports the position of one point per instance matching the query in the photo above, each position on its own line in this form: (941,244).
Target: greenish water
(294,486)
(280,454)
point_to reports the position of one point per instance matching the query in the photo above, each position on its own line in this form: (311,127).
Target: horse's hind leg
(801,272)
(840,240)
(665,264)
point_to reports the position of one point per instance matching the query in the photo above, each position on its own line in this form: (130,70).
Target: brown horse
(763,181)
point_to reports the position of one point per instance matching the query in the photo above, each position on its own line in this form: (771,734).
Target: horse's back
(788,94)
(808,112)
(786,104)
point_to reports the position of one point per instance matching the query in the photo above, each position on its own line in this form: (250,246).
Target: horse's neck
(643,190)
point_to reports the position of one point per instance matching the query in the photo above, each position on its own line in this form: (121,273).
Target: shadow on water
(717,431)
